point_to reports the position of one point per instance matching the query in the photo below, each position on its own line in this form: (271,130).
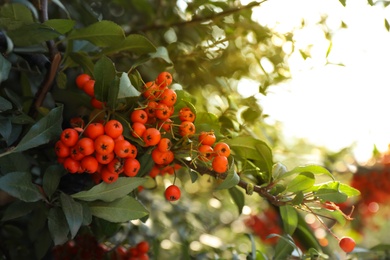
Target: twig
(198,19)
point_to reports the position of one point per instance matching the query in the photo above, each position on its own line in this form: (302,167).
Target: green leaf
(121,210)
(104,74)
(387,25)
(290,218)
(102,34)
(17,209)
(278,169)
(162,53)
(52,178)
(341,187)
(343,2)
(87,216)
(284,247)
(42,131)
(5,68)
(84,60)
(134,43)
(112,93)
(238,198)
(231,179)
(73,212)
(248,147)
(61,25)
(301,182)
(31,34)
(298,199)
(58,226)
(4,104)
(5,128)
(334,195)
(110,192)
(206,121)
(315,169)
(19,185)
(15,12)
(126,89)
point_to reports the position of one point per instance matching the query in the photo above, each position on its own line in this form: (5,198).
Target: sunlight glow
(331,105)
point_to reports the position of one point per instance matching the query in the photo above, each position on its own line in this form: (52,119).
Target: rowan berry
(89,164)
(347,244)
(138,129)
(76,154)
(107,176)
(185,114)
(220,164)
(96,103)
(89,88)
(69,137)
(151,109)
(162,158)
(172,193)
(186,128)
(85,146)
(104,144)
(82,79)
(113,128)
(71,165)
(115,166)
(168,97)
(105,158)
(207,138)
(93,130)
(151,136)
(154,171)
(61,149)
(222,149)
(164,79)
(139,115)
(122,148)
(131,167)
(162,111)
(165,144)
(166,124)
(150,90)
(143,247)
(206,152)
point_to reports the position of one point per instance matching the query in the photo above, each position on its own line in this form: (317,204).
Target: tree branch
(198,19)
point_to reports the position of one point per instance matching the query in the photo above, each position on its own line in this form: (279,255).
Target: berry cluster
(99,149)
(137,252)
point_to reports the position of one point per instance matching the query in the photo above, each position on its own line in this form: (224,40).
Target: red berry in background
(89,88)
(172,193)
(96,103)
(82,79)
(347,244)
(143,247)
(164,79)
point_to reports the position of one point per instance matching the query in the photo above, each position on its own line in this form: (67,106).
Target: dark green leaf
(334,195)
(290,218)
(43,243)
(73,212)
(301,182)
(121,210)
(5,127)
(84,60)
(5,67)
(343,2)
(387,25)
(58,226)
(61,25)
(87,216)
(298,199)
(43,131)
(19,185)
(52,178)
(22,119)
(112,93)
(104,74)
(135,43)
(31,34)
(283,248)
(207,122)
(102,34)
(4,104)
(230,180)
(342,187)
(238,198)
(17,209)
(110,192)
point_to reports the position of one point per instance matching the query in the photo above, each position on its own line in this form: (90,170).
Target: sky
(331,105)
